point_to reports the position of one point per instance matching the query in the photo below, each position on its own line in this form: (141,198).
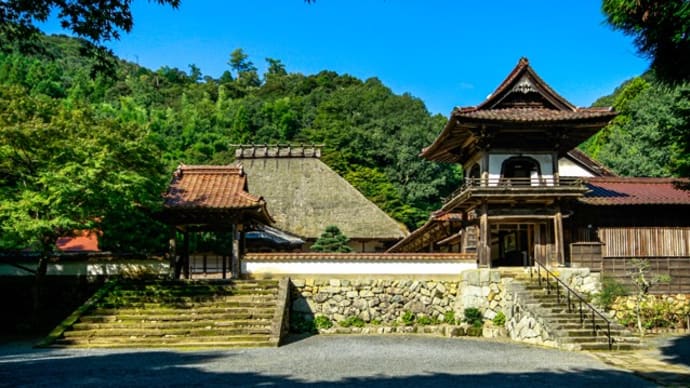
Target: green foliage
(370,135)
(376,322)
(660,29)
(449,317)
(610,290)
(425,321)
(649,136)
(499,319)
(643,280)
(352,321)
(408,318)
(322,322)
(332,240)
(473,316)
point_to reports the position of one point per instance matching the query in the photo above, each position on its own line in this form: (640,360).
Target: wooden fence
(677,268)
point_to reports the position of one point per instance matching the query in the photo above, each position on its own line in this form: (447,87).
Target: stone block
(471,276)
(309,282)
(441,288)
(366,294)
(426,300)
(352,294)
(321,297)
(299,283)
(484,276)
(334,282)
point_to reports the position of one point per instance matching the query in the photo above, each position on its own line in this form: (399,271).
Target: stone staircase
(567,327)
(188,314)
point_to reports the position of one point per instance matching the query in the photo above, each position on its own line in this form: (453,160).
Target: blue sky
(447,53)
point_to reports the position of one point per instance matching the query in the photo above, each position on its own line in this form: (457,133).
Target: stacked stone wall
(372,300)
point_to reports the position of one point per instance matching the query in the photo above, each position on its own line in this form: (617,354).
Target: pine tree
(332,240)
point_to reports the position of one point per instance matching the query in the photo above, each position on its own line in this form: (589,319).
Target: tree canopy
(79,127)
(661,30)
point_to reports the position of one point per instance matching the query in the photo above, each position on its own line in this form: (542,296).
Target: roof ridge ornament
(524,86)
(263,151)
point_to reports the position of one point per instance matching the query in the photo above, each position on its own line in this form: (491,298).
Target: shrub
(473,316)
(424,320)
(375,322)
(449,317)
(408,318)
(499,319)
(322,322)
(610,290)
(352,321)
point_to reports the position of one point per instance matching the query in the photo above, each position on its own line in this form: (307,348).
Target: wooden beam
(484,247)
(558,237)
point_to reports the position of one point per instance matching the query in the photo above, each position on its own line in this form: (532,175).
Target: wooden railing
(501,183)
(587,312)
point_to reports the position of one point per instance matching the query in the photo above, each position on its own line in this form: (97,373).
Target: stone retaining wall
(381,301)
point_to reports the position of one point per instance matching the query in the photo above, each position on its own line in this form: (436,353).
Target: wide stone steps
(189,314)
(158,325)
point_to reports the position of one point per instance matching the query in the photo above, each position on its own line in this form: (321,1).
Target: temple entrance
(512,245)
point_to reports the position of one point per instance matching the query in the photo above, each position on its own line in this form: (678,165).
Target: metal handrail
(584,315)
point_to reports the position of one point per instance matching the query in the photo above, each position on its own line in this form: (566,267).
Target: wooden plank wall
(586,254)
(678,268)
(645,241)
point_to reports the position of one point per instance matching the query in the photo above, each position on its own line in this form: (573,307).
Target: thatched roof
(305,195)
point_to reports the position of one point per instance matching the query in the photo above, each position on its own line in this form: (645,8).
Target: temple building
(530,195)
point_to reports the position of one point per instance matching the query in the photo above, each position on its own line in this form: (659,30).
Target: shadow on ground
(677,351)
(164,368)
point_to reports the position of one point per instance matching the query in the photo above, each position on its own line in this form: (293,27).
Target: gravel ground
(380,361)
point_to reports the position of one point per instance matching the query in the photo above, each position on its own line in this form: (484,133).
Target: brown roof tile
(636,191)
(210,187)
(313,256)
(534,114)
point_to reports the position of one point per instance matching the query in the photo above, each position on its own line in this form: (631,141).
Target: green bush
(610,290)
(449,317)
(499,319)
(375,322)
(408,318)
(352,321)
(473,316)
(425,321)
(322,322)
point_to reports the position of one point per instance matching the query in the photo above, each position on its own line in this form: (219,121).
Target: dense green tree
(67,167)
(93,21)
(661,29)
(332,240)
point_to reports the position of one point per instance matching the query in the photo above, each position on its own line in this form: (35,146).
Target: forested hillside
(370,135)
(651,134)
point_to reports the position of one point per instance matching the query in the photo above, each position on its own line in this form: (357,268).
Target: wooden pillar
(234,255)
(172,252)
(558,236)
(484,247)
(185,254)
(224,259)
